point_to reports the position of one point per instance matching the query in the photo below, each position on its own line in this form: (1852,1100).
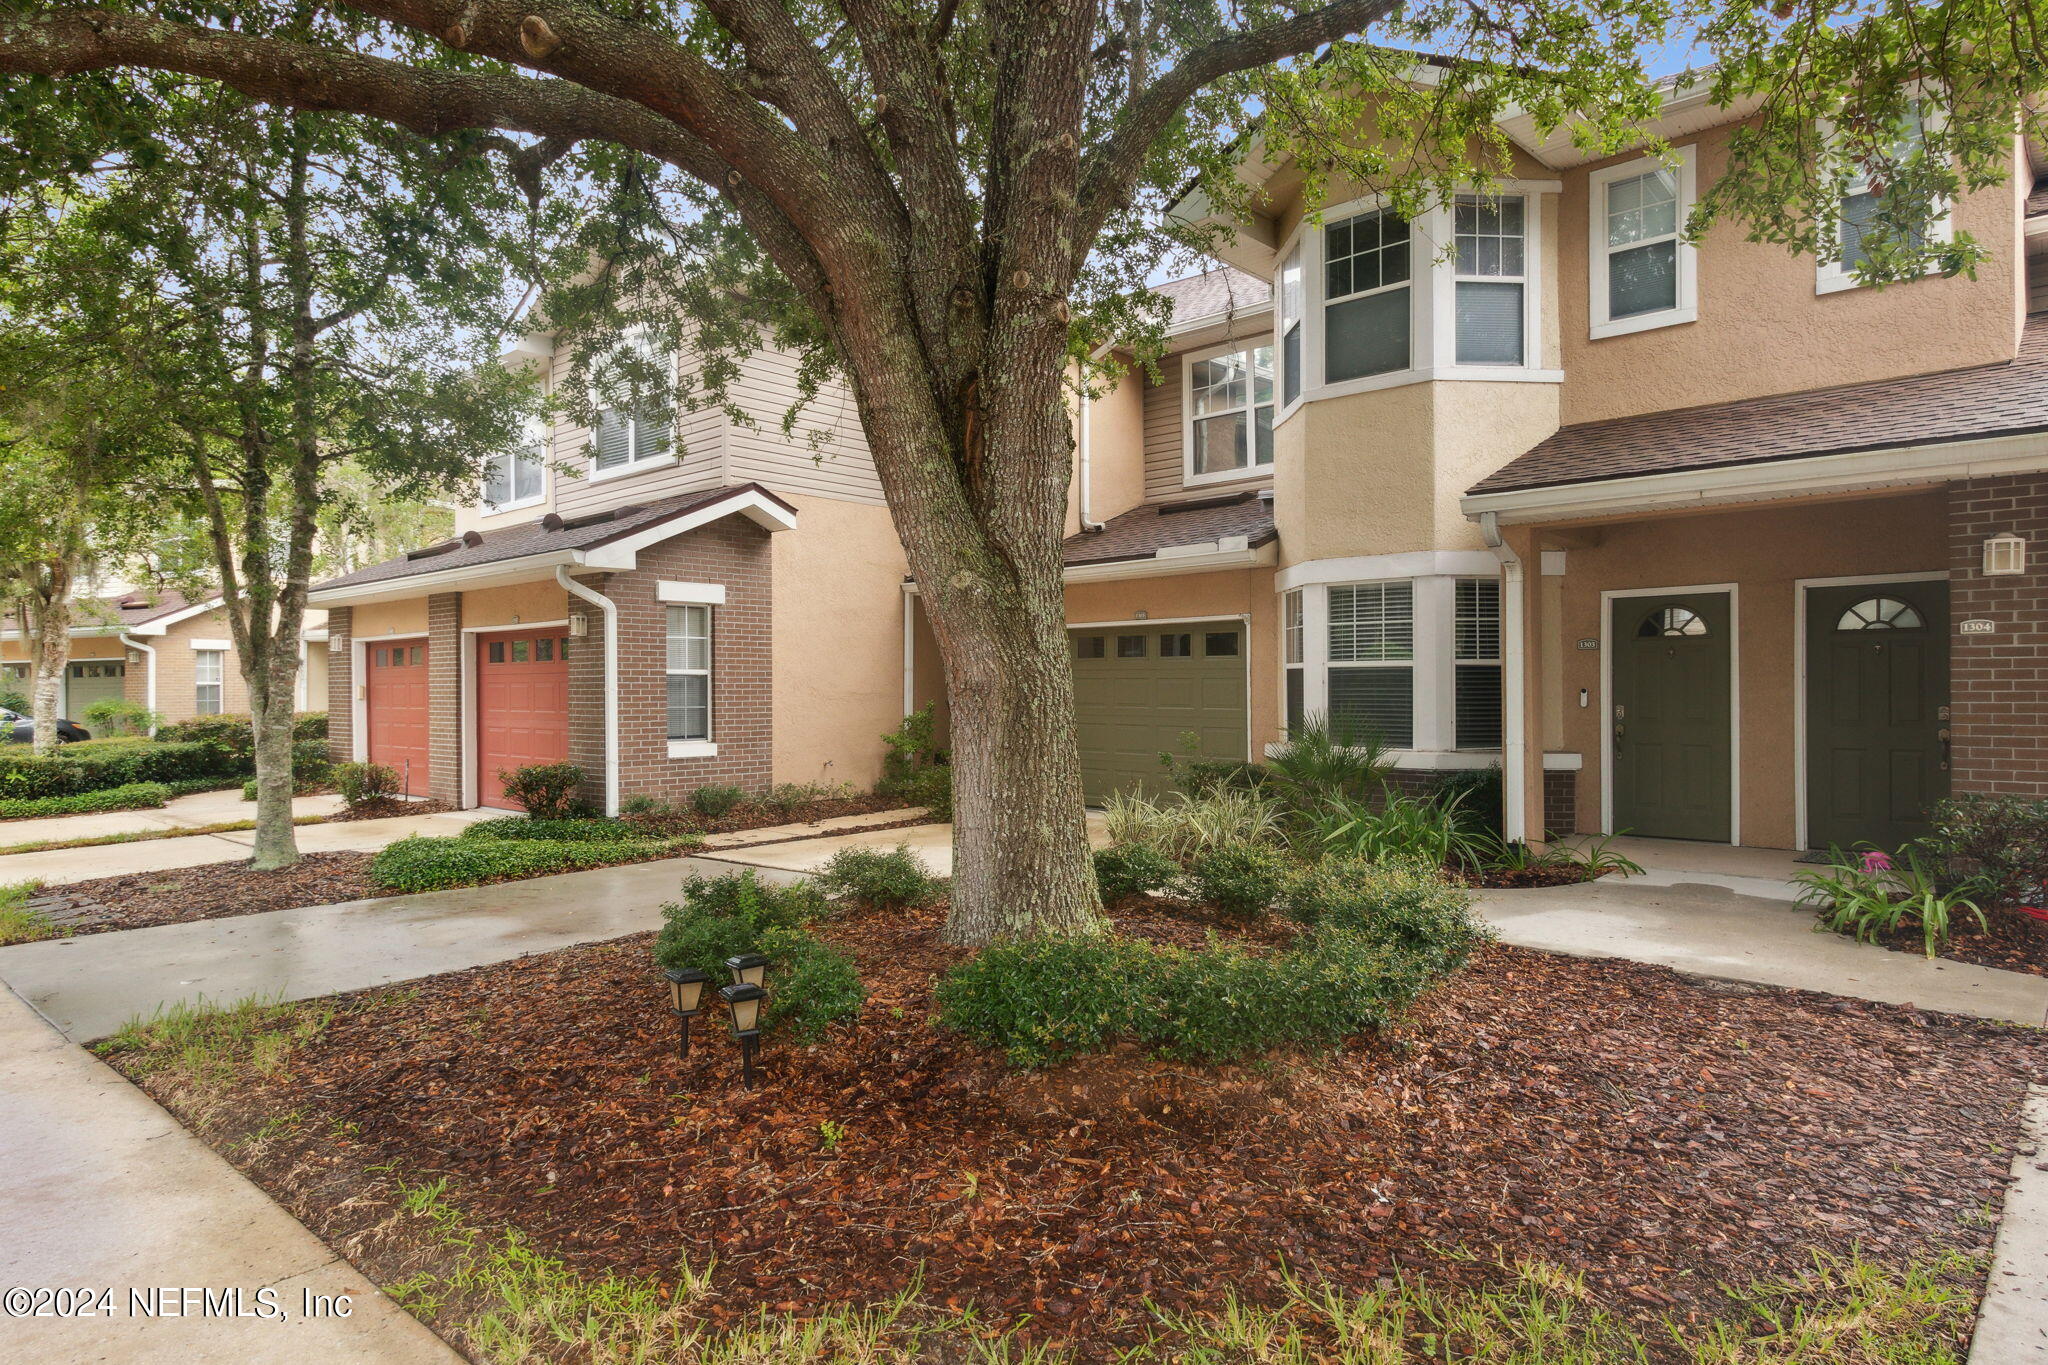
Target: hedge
(592,831)
(436,863)
(237,734)
(98,764)
(134,796)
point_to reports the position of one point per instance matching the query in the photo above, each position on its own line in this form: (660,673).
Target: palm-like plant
(1324,759)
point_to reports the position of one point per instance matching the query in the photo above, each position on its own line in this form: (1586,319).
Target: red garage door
(397,706)
(522,706)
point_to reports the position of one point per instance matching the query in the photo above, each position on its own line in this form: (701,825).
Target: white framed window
(689,674)
(518,478)
(1642,272)
(1368,304)
(1294,658)
(1476,663)
(1371,682)
(1230,413)
(1858,213)
(1293,354)
(1490,268)
(209,678)
(634,429)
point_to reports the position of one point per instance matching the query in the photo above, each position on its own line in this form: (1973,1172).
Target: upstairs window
(1291,354)
(1230,413)
(1491,235)
(1366,296)
(1642,268)
(1858,218)
(635,400)
(518,477)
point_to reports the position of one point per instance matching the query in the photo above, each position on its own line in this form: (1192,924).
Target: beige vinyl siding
(825,452)
(1166,441)
(698,441)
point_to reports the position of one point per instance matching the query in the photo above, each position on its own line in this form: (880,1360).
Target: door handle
(1947,747)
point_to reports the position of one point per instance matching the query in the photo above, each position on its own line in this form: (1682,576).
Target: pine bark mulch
(1663,1136)
(2010,941)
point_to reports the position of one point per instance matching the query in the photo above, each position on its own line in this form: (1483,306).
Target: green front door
(1876,712)
(1670,724)
(1141,689)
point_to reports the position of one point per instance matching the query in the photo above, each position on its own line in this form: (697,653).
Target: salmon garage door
(397,706)
(522,707)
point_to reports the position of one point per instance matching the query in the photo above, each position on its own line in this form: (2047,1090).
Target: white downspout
(1085,443)
(149,678)
(1514,818)
(909,648)
(611,681)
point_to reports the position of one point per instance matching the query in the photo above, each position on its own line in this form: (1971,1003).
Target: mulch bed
(755,815)
(1661,1135)
(385,807)
(2010,941)
(138,900)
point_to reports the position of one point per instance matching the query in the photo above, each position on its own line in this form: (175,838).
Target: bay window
(689,673)
(1292,355)
(1366,296)
(1230,413)
(1491,264)
(1642,267)
(1475,637)
(1294,657)
(1372,661)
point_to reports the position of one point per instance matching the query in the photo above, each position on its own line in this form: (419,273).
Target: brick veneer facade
(1998,682)
(341,684)
(733,552)
(177,680)
(1560,794)
(444,697)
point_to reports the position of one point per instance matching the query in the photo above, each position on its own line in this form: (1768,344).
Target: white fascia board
(756,507)
(1177,559)
(1903,467)
(1371,568)
(199,645)
(499,573)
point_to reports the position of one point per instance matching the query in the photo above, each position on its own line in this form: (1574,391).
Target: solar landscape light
(743,1002)
(748,969)
(685,1001)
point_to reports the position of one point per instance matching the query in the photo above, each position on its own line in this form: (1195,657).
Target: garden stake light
(743,1003)
(685,1001)
(748,969)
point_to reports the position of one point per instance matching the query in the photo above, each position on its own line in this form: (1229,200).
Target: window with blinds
(636,407)
(1476,656)
(1372,668)
(1491,272)
(1365,296)
(1294,641)
(689,672)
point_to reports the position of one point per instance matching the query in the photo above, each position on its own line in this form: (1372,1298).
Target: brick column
(444,697)
(1998,681)
(587,686)
(341,684)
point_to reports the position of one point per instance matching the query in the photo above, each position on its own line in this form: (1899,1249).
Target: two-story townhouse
(670,600)
(1695,540)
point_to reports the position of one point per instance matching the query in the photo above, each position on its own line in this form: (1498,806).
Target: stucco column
(1522,682)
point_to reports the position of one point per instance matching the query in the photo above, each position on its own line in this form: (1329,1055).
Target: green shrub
(917,769)
(94,765)
(1046,1000)
(1403,829)
(547,791)
(642,804)
(1200,776)
(1126,870)
(15,700)
(1239,879)
(1474,793)
(894,880)
(134,796)
(311,759)
(301,786)
(1182,826)
(113,716)
(1409,905)
(2000,842)
(424,863)
(715,802)
(310,725)
(235,734)
(360,783)
(591,831)
(810,984)
(1323,759)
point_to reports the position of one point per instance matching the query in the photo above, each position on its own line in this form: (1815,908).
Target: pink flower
(1877,860)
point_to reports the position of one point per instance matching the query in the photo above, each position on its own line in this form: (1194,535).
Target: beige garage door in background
(1143,688)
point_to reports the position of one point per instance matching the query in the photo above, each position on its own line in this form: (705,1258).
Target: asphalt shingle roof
(544,535)
(1213,292)
(1143,531)
(2037,202)
(2008,398)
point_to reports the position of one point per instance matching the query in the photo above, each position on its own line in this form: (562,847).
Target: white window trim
(690,594)
(635,336)
(707,746)
(219,653)
(1834,277)
(540,436)
(1598,252)
(217,646)
(1188,477)
(692,748)
(1282,408)
(1441,225)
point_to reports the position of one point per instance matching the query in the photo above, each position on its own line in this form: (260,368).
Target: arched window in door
(1880,613)
(1671,621)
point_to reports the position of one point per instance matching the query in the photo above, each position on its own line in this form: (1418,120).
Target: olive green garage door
(1141,689)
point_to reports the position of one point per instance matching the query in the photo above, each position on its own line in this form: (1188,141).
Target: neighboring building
(160,651)
(695,601)
(1695,541)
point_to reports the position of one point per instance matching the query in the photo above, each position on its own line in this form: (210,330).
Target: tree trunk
(272,717)
(48,636)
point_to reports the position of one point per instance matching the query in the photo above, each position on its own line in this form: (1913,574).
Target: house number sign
(1978,627)
(1589,643)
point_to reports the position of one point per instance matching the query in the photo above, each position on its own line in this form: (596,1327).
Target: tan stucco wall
(1761,327)
(313,687)
(520,603)
(84,647)
(838,641)
(1116,452)
(1762,550)
(406,617)
(1239,592)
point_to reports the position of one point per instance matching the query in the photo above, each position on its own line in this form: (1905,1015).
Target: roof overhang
(1856,471)
(760,507)
(156,626)
(1227,552)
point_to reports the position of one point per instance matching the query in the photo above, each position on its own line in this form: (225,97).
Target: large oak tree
(949,203)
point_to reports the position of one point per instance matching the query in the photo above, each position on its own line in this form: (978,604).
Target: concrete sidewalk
(182,812)
(103,1190)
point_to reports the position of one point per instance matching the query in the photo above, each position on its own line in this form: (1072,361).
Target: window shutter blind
(1366,336)
(614,440)
(1378,701)
(1489,323)
(1479,706)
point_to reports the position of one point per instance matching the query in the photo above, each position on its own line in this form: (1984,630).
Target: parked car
(20,729)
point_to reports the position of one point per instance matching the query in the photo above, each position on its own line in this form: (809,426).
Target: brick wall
(733,552)
(1560,794)
(177,696)
(444,697)
(341,683)
(1998,684)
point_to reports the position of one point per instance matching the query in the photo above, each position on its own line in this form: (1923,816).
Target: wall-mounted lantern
(2005,554)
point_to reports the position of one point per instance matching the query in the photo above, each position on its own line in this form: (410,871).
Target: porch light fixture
(685,1001)
(2005,554)
(748,969)
(743,1004)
